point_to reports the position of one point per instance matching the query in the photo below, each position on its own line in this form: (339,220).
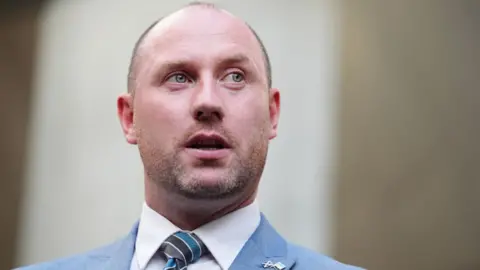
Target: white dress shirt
(224,238)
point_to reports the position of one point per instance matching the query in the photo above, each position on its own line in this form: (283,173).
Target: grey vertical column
(17,46)
(409,167)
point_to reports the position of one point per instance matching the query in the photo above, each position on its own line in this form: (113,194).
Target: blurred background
(377,162)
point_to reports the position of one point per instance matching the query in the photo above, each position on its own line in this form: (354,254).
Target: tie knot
(183,246)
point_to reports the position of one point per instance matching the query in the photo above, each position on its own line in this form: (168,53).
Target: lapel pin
(277,266)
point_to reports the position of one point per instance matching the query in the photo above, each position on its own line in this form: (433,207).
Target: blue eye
(235,77)
(178,78)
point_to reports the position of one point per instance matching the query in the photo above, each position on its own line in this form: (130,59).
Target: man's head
(200,106)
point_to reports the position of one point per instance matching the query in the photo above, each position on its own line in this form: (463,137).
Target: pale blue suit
(264,245)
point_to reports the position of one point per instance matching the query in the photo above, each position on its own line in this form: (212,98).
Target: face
(202,113)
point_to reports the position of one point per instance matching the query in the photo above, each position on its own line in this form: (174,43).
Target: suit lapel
(121,257)
(265,245)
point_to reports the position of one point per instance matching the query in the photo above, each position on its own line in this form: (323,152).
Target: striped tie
(182,249)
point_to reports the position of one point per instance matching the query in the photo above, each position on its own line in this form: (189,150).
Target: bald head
(136,59)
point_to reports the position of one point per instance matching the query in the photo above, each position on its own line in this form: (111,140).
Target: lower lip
(208,154)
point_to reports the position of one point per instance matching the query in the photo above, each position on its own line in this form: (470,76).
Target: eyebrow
(188,64)
(235,59)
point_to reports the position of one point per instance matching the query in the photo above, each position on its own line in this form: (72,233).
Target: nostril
(208,115)
(199,114)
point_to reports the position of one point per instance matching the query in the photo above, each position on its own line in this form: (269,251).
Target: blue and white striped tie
(182,249)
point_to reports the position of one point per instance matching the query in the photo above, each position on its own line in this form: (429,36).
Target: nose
(207,104)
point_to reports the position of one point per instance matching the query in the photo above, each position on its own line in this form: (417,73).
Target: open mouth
(207,143)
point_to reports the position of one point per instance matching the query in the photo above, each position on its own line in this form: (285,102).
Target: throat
(190,214)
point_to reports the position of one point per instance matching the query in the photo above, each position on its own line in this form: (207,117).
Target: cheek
(159,117)
(250,123)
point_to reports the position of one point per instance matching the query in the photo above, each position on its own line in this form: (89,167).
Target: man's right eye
(178,78)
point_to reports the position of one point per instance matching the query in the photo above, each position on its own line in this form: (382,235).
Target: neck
(189,214)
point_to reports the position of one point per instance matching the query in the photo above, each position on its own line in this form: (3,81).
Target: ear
(125,115)
(274,106)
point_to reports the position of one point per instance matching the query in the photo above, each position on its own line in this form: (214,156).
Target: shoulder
(109,256)
(83,261)
(309,259)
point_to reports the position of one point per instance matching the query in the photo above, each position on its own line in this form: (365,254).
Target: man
(201,109)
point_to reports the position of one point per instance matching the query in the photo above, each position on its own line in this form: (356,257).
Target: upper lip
(202,136)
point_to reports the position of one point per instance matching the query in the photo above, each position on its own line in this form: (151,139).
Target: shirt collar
(153,229)
(223,237)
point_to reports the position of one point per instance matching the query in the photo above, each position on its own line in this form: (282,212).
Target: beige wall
(410,154)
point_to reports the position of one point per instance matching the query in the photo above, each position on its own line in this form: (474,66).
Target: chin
(210,178)
(210,185)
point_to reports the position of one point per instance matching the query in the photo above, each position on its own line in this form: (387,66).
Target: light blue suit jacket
(264,245)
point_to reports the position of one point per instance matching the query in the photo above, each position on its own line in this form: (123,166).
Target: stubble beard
(168,172)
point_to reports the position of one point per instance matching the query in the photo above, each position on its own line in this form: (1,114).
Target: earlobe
(131,137)
(274,106)
(125,115)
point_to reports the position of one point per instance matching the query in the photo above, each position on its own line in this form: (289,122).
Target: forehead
(201,33)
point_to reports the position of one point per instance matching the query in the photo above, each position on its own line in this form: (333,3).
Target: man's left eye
(235,77)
